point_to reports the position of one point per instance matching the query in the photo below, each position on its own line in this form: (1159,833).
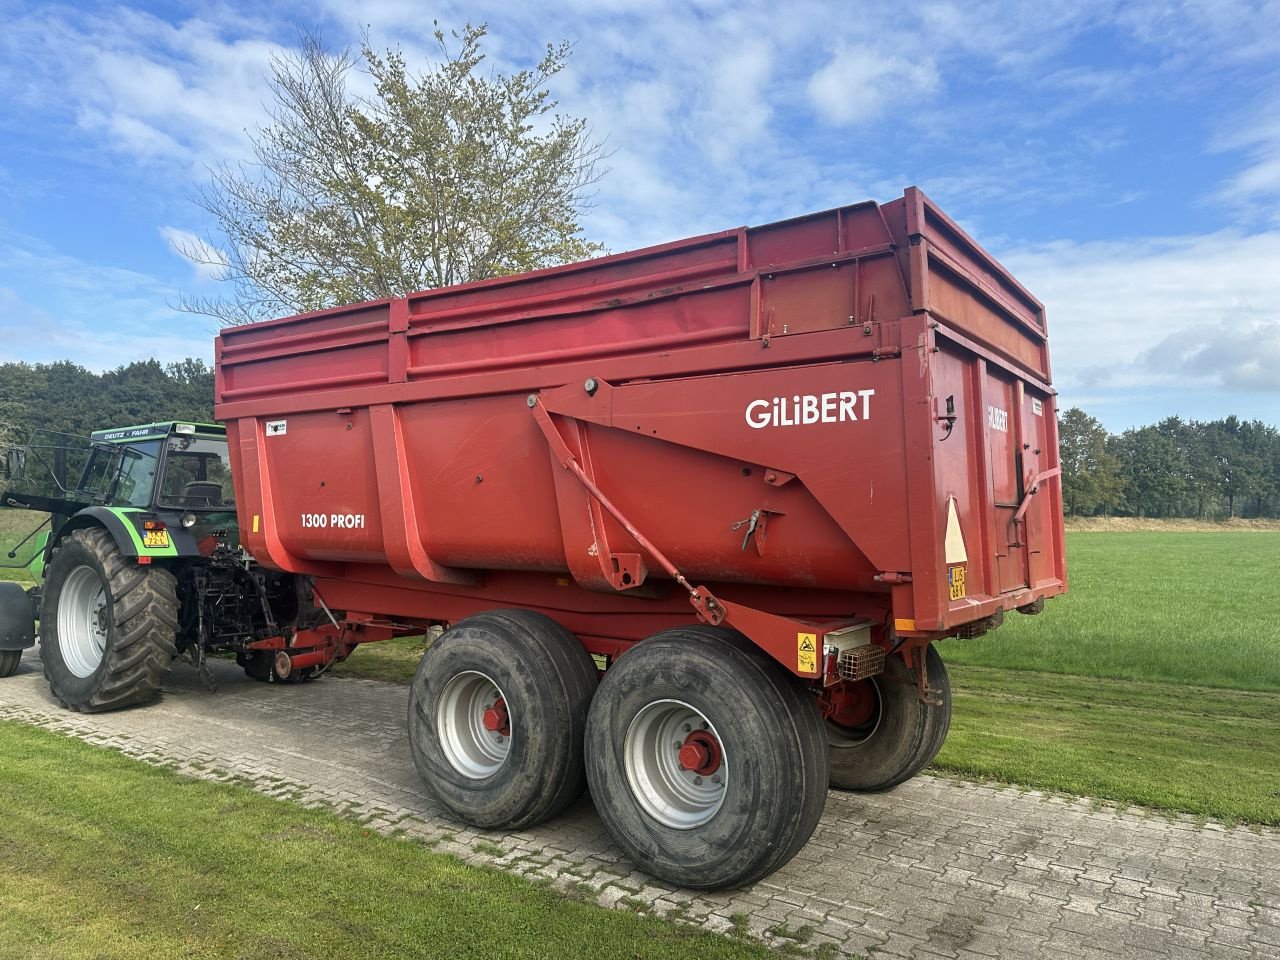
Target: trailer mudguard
(17,617)
(125,524)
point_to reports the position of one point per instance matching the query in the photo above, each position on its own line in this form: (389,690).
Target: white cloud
(858,83)
(208,262)
(1195,311)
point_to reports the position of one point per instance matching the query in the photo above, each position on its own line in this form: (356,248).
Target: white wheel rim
(471,748)
(668,792)
(82,621)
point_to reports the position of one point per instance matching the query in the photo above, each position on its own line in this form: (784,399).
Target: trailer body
(841,419)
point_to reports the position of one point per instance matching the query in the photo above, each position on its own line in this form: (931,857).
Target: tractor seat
(203,491)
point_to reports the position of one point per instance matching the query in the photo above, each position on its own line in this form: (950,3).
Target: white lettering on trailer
(805,409)
(998,419)
(335,521)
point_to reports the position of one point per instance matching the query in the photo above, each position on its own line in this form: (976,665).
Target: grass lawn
(105,857)
(1154,681)
(1197,608)
(14,525)
(391,660)
(1200,750)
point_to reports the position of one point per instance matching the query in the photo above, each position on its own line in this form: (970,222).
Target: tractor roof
(157,431)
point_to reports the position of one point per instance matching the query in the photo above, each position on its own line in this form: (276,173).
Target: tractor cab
(163,467)
(158,467)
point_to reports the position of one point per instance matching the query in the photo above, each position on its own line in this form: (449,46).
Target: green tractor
(139,562)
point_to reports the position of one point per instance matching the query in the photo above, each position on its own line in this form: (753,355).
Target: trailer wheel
(881,733)
(707,762)
(9,660)
(108,625)
(497,713)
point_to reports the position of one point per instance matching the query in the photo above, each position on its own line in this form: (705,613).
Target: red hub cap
(701,753)
(497,719)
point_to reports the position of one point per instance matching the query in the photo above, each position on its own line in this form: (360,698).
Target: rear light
(153,525)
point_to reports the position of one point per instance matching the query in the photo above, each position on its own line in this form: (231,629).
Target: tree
(1241,471)
(1091,479)
(1154,472)
(450,175)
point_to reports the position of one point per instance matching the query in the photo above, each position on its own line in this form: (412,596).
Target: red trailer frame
(839,420)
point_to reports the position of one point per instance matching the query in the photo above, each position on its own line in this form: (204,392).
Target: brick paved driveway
(936,868)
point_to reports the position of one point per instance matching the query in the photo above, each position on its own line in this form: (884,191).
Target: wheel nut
(677,745)
(698,781)
(687,728)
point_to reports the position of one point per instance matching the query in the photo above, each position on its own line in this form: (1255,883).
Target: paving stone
(934,869)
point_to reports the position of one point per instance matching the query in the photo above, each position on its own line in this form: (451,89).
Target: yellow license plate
(155,538)
(955,580)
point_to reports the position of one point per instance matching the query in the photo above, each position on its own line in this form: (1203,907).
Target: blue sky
(1122,160)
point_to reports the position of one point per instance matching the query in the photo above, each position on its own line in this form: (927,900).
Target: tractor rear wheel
(881,732)
(497,713)
(107,624)
(707,761)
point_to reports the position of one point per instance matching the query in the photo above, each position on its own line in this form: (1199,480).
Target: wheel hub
(474,724)
(700,753)
(497,719)
(676,764)
(84,620)
(849,704)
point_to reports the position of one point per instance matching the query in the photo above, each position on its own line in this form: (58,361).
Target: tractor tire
(901,733)
(9,660)
(707,761)
(497,714)
(107,625)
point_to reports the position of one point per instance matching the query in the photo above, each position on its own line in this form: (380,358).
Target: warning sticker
(955,582)
(806,652)
(277,428)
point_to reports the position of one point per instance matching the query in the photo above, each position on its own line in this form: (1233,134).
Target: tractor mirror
(14,462)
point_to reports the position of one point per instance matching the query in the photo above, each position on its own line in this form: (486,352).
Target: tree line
(67,398)
(1208,469)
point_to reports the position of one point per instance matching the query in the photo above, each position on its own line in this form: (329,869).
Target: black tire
(904,735)
(136,614)
(9,660)
(775,762)
(545,679)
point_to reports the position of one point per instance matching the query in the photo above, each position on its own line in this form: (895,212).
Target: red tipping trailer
(786,458)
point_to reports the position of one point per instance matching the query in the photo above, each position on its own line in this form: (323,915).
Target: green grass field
(104,857)
(1198,608)
(14,525)
(1154,681)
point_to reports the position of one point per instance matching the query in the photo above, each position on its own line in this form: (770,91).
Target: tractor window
(197,474)
(122,474)
(137,474)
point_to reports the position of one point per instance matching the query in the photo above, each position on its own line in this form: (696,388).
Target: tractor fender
(17,617)
(124,524)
